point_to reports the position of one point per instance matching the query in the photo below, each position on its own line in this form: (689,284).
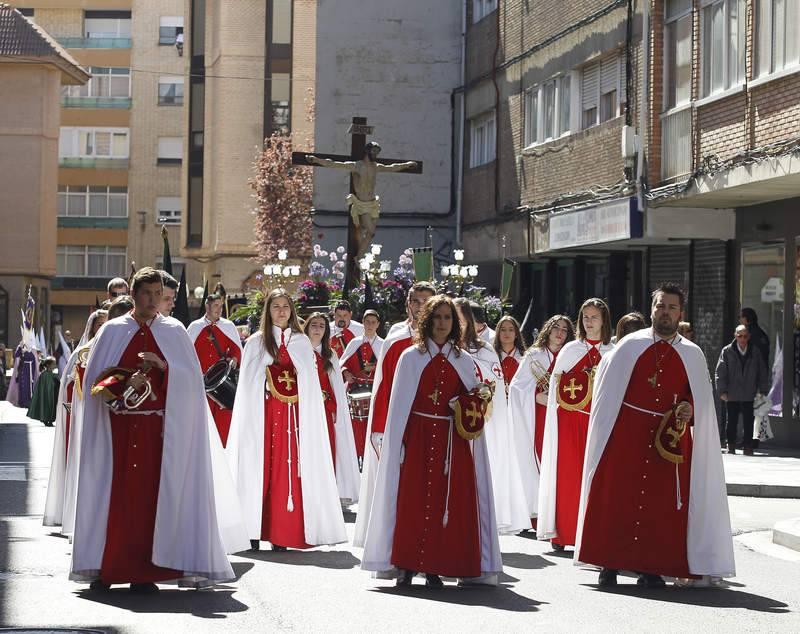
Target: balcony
(93,222)
(95,42)
(96,102)
(94,163)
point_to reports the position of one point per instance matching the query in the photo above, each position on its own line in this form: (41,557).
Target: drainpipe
(643,110)
(461,123)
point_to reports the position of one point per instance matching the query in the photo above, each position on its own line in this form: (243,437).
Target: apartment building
(120,145)
(724,134)
(33,69)
(249,72)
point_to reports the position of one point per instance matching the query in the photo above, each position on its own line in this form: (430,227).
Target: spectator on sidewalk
(741,373)
(685,330)
(758,337)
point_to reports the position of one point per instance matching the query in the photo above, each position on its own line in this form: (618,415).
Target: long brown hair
(630,323)
(599,304)
(470,340)
(425,324)
(543,338)
(270,345)
(518,344)
(327,352)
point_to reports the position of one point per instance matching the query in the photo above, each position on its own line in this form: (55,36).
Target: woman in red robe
(318,330)
(509,346)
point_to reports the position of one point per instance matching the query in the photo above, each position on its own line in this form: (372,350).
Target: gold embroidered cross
(473,414)
(287,379)
(653,380)
(572,388)
(434,396)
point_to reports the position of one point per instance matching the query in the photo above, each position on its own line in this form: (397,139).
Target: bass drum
(220,381)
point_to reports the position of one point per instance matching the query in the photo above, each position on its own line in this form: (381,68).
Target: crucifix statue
(363,203)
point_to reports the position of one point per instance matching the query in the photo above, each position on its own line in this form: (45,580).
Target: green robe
(45,394)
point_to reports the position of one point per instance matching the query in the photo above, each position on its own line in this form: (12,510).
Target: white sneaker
(489,579)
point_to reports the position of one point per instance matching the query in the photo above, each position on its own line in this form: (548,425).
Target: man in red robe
(345,328)
(216,339)
(653,498)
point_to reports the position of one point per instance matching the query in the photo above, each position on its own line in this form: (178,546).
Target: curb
(763,490)
(787,533)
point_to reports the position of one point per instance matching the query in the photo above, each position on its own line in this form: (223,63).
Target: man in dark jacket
(758,337)
(741,373)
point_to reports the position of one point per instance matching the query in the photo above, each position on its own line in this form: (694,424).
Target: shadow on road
(206,604)
(500,598)
(525,561)
(241,569)
(705,597)
(335,559)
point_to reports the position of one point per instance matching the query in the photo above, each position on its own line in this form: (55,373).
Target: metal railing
(96,102)
(91,162)
(95,42)
(676,143)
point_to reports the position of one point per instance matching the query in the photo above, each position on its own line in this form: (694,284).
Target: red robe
(573,428)
(279,525)
(356,364)
(421,542)
(380,399)
(137,443)
(208,355)
(509,365)
(339,342)
(541,416)
(632,519)
(329,400)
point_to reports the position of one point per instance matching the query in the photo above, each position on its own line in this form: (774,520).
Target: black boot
(405,580)
(607,578)
(559,548)
(433,581)
(99,586)
(144,588)
(278,549)
(255,546)
(650,581)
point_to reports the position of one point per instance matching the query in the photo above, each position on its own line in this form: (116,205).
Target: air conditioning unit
(631,142)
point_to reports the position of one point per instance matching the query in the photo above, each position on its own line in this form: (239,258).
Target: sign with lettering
(357,128)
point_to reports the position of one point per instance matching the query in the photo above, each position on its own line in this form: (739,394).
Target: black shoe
(144,588)
(607,578)
(405,580)
(433,581)
(278,549)
(99,586)
(559,548)
(255,546)
(650,581)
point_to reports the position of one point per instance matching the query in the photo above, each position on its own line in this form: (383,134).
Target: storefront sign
(772,291)
(618,220)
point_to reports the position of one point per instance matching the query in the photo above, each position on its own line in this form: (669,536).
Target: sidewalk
(770,473)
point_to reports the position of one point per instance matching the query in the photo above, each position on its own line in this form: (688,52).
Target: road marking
(13,473)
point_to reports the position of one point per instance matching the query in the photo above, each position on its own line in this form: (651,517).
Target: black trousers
(745,408)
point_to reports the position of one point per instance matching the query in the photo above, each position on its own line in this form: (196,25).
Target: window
(107,24)
(90,261)
(677,53)
(280,97)
(168,210)
(170,91)
(93,143)
(170,150)
(547,110)
(281,21)
(482,8)
(105,82)
(93,200)
(168,29)
(482,140)
(722,24)
(602,91)
(777,24)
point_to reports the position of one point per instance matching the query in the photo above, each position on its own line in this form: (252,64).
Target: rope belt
(643,410)
(292,426)
(448,471)
(137,412)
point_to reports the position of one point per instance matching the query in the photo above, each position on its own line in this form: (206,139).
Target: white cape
(709,544)
(322,512)
(570,354)
(347,476)
(225,325)
(187,535)
(521,403)
(380,534)
(369,467)
(510,503)
(355,344)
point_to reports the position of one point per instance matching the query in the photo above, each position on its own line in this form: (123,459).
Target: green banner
(423,264)
(506,279)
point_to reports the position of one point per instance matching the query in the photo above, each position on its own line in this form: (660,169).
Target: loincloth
(363,207)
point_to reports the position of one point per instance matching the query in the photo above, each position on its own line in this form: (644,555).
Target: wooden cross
(572,388)
(358,131)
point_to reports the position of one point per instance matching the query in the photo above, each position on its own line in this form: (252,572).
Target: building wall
(304,61)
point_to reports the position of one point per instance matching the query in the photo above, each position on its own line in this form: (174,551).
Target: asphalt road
(324,590)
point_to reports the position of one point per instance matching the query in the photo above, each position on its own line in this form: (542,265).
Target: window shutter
(590,83)
(609,75)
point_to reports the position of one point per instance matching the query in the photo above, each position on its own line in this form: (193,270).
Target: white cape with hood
(522,406)
(510,503)
(570,354)
(347,476)
(380,534)
(709,544)
(322,512)
(187,534)
(369,467)
(227,327)
(355,344)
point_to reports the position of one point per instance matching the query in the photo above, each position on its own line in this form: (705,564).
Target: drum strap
(212,336)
